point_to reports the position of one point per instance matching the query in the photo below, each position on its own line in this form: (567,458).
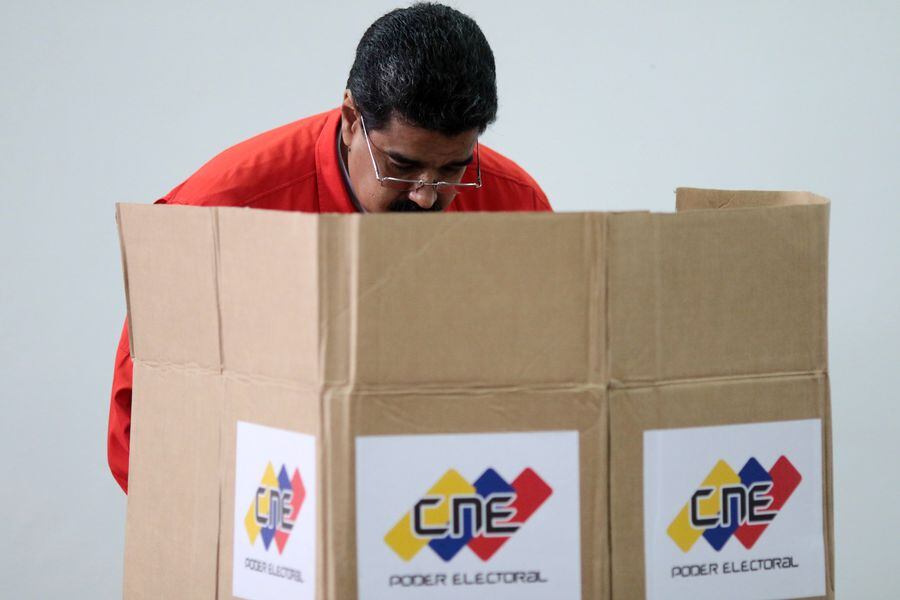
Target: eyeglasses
(412,185)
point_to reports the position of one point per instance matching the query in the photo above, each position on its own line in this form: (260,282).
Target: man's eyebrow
(411,162)
(462,163)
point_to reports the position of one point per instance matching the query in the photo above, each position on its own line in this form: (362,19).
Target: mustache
(407,205)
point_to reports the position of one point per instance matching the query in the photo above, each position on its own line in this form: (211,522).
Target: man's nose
(425,196)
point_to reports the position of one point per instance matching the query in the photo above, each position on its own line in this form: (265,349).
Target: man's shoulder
(507,186)
(256,167)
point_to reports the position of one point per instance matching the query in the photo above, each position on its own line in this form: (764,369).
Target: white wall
(609,106)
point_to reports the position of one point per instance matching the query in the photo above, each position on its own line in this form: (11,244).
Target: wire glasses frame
(412,185)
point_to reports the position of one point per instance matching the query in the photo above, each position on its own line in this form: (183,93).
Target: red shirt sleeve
(119,432)
(540,201)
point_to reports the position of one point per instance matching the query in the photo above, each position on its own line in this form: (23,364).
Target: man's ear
(349,119)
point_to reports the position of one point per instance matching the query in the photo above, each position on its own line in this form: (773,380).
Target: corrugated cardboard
(348,326)
(716,317)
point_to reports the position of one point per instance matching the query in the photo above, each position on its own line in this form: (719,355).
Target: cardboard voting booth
(469,406)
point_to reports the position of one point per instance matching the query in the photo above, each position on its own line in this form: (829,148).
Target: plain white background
(609,106)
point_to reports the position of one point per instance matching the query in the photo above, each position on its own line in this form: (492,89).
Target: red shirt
(295,167)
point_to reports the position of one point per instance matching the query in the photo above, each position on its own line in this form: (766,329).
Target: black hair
(429,65)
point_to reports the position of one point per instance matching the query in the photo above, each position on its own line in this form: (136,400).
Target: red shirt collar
(333,194)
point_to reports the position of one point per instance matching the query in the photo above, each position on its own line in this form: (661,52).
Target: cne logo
(275,507)
(481,515)
(738,504)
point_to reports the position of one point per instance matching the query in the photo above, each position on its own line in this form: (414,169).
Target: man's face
(406,152)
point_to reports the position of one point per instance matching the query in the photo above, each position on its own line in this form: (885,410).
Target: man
(421,90)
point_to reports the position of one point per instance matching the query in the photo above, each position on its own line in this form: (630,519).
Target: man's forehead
(400,139)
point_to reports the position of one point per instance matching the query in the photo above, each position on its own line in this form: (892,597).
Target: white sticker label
(274,514)
(734,511)
(468,516)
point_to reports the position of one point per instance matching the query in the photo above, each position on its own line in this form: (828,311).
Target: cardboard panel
(479,298)
(172,526)
(170,272)
(269,293)
(717,293)
(283,408)
(366,416)
(338,291)
(636,411)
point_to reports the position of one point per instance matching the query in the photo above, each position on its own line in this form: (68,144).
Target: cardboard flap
(717,293)
(269,293)
(169,258)
(474,299)
(695,198)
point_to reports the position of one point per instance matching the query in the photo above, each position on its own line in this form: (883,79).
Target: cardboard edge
(597,245)
(217,281)
(337,331)
(688,198)
(826,243)
(222,408)
(120,226)
(828,483)
(323,560)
